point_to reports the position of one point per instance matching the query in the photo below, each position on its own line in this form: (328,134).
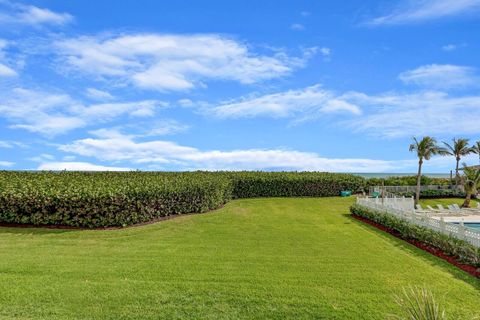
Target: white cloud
(54,113)
(77,166)
(422,10)
(325,51)
(11,144)
(42,157)
(297,27)
(96,94)
(310,102)
(423,113)
(6,164)
(449,47)
(167,127)
(441,76)
(124,148)
(17,13)
(169,62)
(5,71)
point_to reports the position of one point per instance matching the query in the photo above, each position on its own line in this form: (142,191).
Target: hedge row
(107,198)
(86,199)
(452,246)
(407,181)
(432,194)
(293,184)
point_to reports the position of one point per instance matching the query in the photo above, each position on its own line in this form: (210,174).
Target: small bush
(419,304)
(450,245)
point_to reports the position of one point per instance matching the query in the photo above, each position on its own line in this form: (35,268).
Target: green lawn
(445,202)
(255,258)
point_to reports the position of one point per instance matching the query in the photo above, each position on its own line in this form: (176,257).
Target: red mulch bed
(439,253)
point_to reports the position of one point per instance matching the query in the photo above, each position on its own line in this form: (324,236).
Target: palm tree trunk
(419,176)
(466,203)
(456,172)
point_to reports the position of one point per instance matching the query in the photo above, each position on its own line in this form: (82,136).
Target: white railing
(402,210)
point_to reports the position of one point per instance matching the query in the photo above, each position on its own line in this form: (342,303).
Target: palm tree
(476,149)
(425,149)
(459,149)
(471,182)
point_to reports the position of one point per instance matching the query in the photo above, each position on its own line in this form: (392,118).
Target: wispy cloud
(78,166)
(6,164)
(170,62)
(22,14)
(97,94)
(423,113)
(53,113)
(441,76)
(167,153)
(423,10)
(297,27)
(301,104)
(5,71)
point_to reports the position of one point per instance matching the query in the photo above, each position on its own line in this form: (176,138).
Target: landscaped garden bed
(447,247)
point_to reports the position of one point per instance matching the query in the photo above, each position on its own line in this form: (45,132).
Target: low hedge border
(463,251)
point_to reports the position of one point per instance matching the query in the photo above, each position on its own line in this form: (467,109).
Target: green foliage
(407,181)
(433,194)
(419,304)
(86,199)
(293,184)
(452,246)
(107,198)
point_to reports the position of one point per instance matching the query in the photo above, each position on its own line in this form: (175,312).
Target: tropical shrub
(106,199)
(87,199)
(293,184)
(450,245)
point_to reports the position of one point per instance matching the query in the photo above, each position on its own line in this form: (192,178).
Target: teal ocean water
(386,175)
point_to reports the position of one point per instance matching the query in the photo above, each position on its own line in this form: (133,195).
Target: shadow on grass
(410,248)
(34,230)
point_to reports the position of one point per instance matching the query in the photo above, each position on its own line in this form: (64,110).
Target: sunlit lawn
(445,202)
(254,259)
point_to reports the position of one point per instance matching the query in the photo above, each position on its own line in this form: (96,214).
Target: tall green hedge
(86,199)
(293,184)
(107,198)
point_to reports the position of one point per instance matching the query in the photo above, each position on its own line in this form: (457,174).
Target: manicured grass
(445,202)
(253,259)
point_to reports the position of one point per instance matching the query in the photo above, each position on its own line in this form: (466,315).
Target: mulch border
(434,251)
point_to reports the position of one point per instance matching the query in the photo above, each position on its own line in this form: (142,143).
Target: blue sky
(233,85)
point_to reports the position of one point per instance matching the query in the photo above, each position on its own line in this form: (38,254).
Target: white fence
(456,230)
